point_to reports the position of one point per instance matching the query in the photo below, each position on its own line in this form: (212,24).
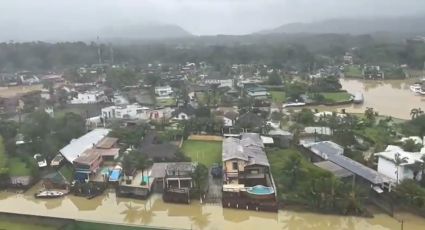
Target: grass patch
(17,167)
(166,102)
(205,152)
(336,96)
(353,71)
(278,96)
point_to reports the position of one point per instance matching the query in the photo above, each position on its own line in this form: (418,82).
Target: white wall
(389,169)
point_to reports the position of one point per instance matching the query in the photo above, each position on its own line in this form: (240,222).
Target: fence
(205,138)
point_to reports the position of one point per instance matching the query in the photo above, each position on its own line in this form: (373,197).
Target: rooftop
(249,148)
(409,158)
(107,142)
(77,146)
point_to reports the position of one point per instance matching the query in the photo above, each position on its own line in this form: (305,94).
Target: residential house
(163,91)
(330,151)
(133,111)
(250,121)
(221,81)
(174,180)
(245,168)
(156,149)
(89,97)
(399,165)
(78,151)
(185,112)
(257,92)
(229,118)
(373,72)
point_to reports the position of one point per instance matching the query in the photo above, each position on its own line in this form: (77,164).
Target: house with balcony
(247,179)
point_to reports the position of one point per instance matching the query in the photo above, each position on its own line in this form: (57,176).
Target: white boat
(49,194)
(295,104)
(416,88)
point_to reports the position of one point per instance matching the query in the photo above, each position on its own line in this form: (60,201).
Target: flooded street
(389,97)
(154,212)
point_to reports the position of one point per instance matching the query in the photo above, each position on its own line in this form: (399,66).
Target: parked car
(216,171)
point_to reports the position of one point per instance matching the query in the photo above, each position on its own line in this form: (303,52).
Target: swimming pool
(260,190)
(115,175)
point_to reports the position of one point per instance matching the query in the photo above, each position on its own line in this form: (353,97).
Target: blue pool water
(146,179)
(260,190)
(115,175)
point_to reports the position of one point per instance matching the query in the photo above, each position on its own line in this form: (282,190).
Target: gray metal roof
(325,148)
(335,169)
(331,151)
(359,169)
(249,148)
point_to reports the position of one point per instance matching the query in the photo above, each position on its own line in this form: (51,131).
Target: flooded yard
(388,97)
(154,212)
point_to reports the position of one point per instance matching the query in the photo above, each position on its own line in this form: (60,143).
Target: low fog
(23,20)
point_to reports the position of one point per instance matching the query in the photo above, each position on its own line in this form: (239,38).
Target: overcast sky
(200,17)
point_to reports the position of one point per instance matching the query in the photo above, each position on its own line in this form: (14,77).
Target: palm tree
(398,160)
(142,164)
(128,165)
(416,112)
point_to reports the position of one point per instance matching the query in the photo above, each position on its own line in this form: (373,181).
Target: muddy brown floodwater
(153,212)
(388,97)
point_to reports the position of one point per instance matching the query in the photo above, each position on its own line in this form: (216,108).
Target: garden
(204,152)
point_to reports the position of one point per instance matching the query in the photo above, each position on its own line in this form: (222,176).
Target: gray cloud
(25,17)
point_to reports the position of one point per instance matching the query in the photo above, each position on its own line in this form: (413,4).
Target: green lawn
(166,102)
(97,226)
(17,167)
(337,96)
(278,96)
(353,71)
(205,152)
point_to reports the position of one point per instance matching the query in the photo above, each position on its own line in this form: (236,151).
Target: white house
(163,91)
(133,111)
(257,92)
(89,97)
(405,170)
(221,82)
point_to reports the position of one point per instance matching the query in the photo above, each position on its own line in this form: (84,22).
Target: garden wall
(205,138)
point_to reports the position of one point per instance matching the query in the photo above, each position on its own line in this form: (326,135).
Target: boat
(49,194)
(295,104)
(358,98)
(416,88)
(260,192)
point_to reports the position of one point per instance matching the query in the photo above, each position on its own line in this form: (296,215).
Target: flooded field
(154,212)
(389,97)
(13,91)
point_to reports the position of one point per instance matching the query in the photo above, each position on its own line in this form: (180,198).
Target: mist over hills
(405,25)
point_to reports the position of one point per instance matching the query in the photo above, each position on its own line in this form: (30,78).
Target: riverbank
(157,214)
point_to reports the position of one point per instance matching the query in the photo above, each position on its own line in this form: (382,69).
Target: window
(235,165)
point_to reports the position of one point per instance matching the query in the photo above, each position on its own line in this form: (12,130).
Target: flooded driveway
(153,212)
(389,97)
